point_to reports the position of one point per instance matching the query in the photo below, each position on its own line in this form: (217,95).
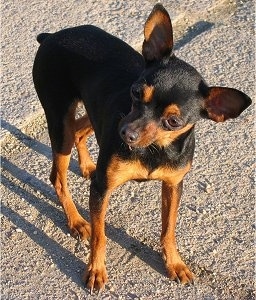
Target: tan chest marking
(120,171)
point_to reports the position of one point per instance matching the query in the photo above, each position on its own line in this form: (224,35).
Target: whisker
(155,148)
(122,115)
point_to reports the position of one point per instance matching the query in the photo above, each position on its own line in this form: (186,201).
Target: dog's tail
(42,36)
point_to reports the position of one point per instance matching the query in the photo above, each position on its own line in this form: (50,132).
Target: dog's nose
(129,135)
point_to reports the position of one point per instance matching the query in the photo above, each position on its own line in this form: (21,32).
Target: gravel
(215,231)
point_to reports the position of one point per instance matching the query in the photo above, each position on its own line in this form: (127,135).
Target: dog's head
(170,95)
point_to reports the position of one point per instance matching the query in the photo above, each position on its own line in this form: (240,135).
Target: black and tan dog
(142,108)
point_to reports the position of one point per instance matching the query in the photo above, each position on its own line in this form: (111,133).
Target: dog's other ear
(224,103)
(158,37)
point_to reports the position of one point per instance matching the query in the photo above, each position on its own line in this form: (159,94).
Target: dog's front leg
(96,274)
(176,268)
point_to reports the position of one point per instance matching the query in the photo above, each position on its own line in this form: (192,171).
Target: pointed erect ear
(225,103)
(158,41)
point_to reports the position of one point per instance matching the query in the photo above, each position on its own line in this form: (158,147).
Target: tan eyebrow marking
(148,93)
(172,109)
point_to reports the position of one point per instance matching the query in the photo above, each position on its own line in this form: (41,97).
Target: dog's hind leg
(62,130)
(83,131)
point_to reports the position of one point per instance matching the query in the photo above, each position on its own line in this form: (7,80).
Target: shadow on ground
(192,32)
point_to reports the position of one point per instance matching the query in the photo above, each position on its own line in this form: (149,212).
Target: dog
(143,110)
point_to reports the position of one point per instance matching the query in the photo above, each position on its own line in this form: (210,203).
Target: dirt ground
(216,226)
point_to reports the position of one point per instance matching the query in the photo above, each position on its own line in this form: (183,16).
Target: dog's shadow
(192,32)
(55,250)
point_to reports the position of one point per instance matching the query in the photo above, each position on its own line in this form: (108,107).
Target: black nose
(128,135)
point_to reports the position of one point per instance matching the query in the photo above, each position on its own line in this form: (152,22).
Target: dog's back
(83,53)
(84,63)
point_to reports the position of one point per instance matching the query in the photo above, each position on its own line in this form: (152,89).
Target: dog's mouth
(134,147)
(131,148)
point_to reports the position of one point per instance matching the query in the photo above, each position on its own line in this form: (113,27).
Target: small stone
(208,189)
(35,232)
(111,289)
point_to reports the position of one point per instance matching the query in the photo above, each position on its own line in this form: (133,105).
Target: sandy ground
(215,232)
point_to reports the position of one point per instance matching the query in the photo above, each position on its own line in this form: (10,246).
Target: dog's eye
(135,92)
(172,123)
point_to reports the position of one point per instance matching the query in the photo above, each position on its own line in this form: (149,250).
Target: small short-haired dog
(142,108)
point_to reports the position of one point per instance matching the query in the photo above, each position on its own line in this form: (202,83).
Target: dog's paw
(88,170)
(180,273)
(80,228)
(95,277)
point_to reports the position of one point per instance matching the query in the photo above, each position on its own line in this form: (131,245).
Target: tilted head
(170,95)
